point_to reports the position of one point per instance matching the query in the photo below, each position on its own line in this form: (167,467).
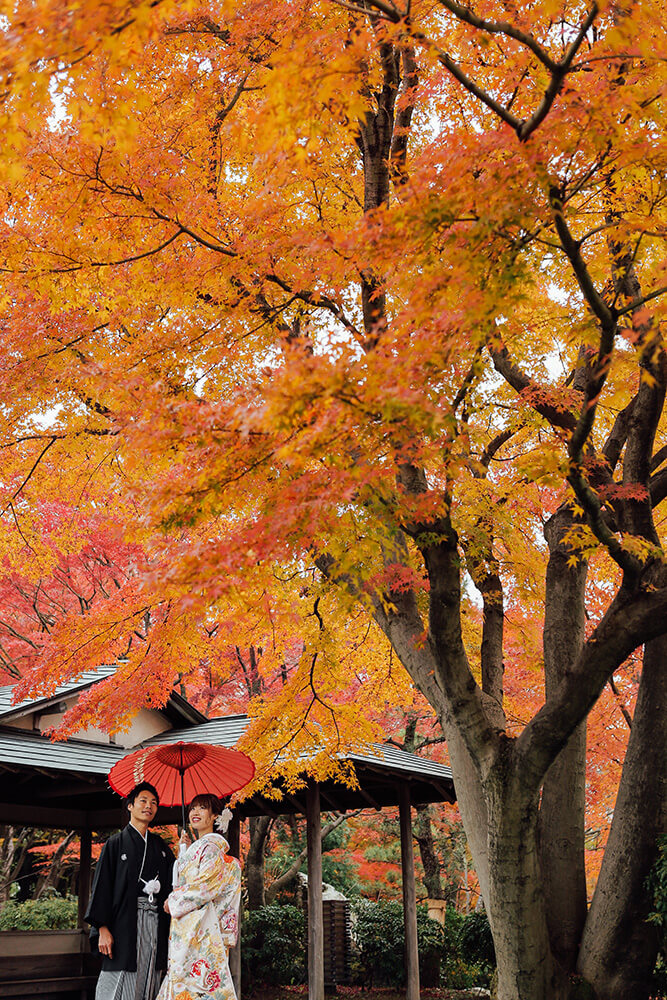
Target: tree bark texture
(515,901)
(423,832)
(15,846)
(563,805)
(254,865)
(619,947)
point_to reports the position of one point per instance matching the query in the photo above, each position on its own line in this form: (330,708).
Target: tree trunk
(423,833)
(12,855)
(516,903)
(422,827)
(50,880)
(254,862)
(619,948)
(563,805)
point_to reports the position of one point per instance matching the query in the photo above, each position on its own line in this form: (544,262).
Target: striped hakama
(145,982)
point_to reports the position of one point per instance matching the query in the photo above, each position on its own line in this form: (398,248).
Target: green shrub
(273,946)
(379,935)
(459,971)
(52,913)
(475,940)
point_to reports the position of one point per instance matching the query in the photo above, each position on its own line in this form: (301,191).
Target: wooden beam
(29,815)
(409,893)
(264,808)
(107,819)
(315,909)
(86,786)
(234,840)
(61,818)
(332,800)
(299,806)
(85,855)
(448,794)
(369,798)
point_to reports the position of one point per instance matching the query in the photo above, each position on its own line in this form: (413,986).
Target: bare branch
(557,78)
(630,621)
(500,28)
(30,473)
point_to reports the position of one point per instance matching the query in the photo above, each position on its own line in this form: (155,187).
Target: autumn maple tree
(354,310)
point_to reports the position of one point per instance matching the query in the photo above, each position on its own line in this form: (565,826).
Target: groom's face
(144,807)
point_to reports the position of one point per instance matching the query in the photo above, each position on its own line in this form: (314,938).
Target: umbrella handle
(182,773)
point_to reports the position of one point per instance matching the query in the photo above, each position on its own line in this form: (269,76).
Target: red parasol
(179,771)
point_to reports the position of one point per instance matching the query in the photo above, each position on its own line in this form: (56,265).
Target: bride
(204,908)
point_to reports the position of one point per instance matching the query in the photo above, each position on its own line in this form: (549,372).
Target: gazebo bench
(46,976)
(81,986)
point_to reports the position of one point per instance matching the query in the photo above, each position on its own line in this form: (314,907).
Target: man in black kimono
(129,926)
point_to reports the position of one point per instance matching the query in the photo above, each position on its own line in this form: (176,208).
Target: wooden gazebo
(63,784)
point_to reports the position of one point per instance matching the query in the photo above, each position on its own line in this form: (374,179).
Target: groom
(129,926)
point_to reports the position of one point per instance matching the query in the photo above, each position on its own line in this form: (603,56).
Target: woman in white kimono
(204,908)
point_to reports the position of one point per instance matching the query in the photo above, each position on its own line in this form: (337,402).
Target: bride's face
(201,820)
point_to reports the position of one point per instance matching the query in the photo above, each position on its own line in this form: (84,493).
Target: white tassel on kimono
(151,888)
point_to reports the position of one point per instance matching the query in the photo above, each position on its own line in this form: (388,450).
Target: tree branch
(30,474)
(557,78)
(630,621)
(289,874)
(520,382)
(500,28)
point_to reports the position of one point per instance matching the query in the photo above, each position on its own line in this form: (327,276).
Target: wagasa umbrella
(179,771)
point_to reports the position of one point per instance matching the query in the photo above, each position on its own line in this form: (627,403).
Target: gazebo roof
(178,708)
(63,783)
(9,710)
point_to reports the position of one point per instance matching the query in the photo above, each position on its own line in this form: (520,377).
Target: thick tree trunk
(471,803)
(562,831)
(501,823)
(563,806)
(254,864)
(516,903)
(619,948)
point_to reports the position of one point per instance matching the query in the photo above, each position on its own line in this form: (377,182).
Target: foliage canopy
(334,310)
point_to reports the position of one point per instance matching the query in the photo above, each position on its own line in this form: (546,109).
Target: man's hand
(105,944)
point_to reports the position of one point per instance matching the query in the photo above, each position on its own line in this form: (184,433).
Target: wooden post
(315,910)
(409,894)
(234,840)
(85,855)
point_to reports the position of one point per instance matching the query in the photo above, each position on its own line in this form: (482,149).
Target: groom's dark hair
(143,786)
